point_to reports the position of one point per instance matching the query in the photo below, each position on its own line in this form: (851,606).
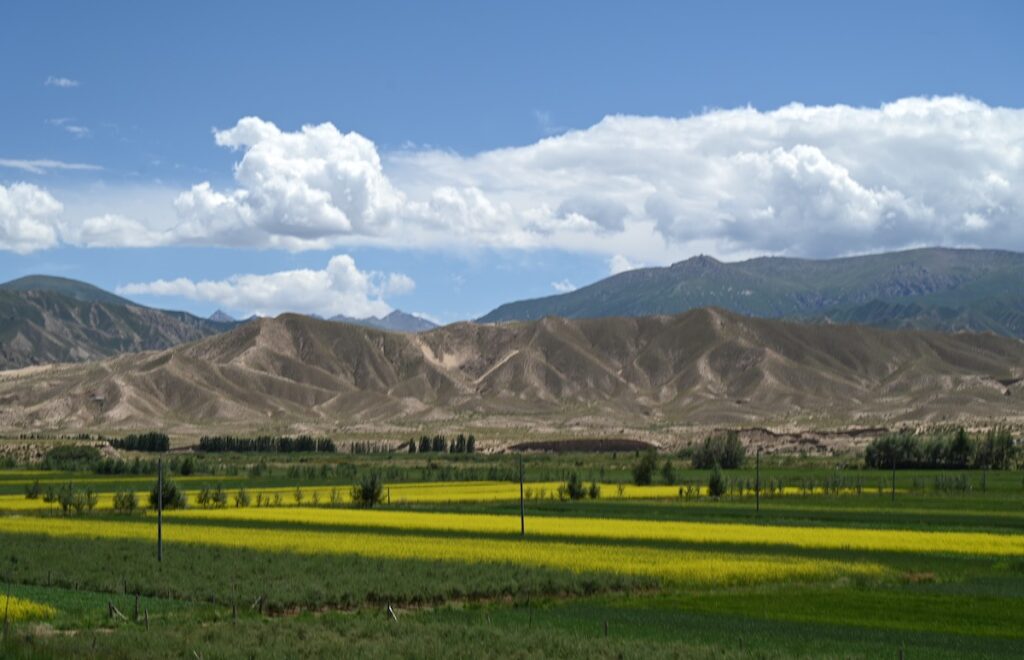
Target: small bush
(218,498)
(369,491)
(171,498)
(668,473)
(716,483)
(572,489)
(125,501)
(643,473)
(594,491)
(242,498)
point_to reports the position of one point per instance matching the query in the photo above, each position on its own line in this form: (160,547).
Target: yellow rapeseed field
(689,566)
(402,493)
(617,529)
(19,609)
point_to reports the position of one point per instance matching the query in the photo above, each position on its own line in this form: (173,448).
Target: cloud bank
(814,181)
(340,288)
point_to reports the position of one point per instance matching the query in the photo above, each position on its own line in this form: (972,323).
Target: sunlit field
(813,564)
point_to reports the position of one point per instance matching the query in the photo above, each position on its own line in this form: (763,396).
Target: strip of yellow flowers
(831,538)
(20,609)
(688,566)
(403,493)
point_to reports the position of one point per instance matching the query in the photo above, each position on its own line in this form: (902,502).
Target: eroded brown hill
(703,367)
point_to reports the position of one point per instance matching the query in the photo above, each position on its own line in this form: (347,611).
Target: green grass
(286,581)
(927,604)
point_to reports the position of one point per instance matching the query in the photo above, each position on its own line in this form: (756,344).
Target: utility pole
(522,500)
(894,478)
(160,510)
(757,481)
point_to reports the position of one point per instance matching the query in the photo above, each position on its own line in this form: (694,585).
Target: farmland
(830,560)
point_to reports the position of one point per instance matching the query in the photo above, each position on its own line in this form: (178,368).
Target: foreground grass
(812,575)
(283,580)
(662,626)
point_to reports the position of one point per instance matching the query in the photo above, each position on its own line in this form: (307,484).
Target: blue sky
(464,157)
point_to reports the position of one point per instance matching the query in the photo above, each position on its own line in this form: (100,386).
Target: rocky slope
(704,367)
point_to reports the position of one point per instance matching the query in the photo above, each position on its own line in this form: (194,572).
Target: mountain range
(396,321)
(52,319)
(935,289)
(45,319)
(703,367)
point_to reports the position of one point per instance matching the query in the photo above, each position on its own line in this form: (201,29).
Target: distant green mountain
(52,319)
(935,288)
(71,288)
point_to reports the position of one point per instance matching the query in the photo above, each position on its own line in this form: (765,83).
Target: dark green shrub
(716,483)
(125,502)
(573,489)
(643,473)
(172,498)
(369,491)
(218,498)
(668,473)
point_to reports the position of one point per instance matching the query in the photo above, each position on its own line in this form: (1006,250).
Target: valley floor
(834,564)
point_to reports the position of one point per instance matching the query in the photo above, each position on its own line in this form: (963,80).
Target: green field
(831,566)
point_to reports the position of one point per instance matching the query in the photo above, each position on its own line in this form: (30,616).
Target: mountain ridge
(47,319)
(929,288)
(703,367)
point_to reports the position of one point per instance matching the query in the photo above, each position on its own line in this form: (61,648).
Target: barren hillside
(703,367)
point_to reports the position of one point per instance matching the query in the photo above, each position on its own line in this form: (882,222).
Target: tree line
(265,443)
(155,442)
(461,444)
(995,449)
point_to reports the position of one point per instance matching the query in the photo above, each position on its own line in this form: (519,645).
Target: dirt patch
(584,445)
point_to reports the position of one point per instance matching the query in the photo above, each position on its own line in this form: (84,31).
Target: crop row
(618,529)
(687,566)
(402,493)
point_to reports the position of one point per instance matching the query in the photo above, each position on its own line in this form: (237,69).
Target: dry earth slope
(704,367)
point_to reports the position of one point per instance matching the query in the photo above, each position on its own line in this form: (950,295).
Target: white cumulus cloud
(28,216)
(801,180)
(340,288)
(563,286)
(798,180)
